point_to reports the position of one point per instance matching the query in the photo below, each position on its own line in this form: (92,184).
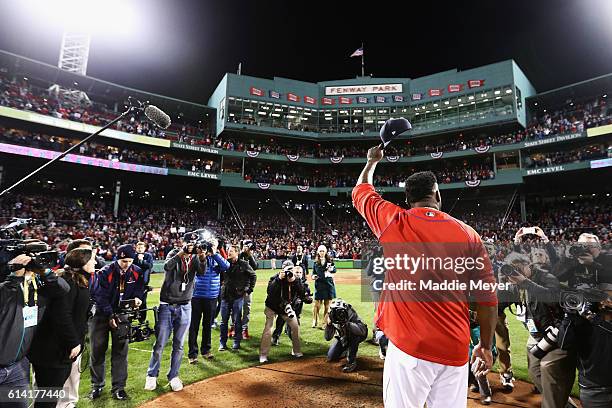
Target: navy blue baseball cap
(126,251)
(393,128)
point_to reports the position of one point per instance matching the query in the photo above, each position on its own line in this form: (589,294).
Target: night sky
(182,48)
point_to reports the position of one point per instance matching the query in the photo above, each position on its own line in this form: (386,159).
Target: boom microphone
(157,116)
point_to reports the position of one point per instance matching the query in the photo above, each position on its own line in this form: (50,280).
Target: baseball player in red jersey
(428,331)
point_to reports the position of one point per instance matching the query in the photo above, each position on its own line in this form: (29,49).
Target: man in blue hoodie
(204,303)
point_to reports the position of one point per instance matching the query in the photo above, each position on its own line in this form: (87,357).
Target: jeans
(235,307)
(246,311)
(336,350)
(171,319)
(201,310)
(596,397)
(15,377)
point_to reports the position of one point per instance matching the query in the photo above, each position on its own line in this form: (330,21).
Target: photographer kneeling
(591,336)
(283,290)
(344,324)
(117,283)
(551,369)
(60,337)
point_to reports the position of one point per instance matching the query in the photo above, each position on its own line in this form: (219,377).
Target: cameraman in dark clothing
(298,305)
(25,292)
(238,282)
(283,289)
(144,260)
(587,265)
(344,324)
(592,339)
(551,369)
(119,281)
(248,246)
(61,334)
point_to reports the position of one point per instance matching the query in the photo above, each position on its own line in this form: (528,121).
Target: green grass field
(313,344)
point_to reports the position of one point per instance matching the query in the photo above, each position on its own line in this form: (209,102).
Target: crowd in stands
(20,94)
(589,152)
(575,117)
(104,151)
(284,175)
(275,230)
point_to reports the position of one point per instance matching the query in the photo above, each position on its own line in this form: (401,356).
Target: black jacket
(282,292)
(540,295)
(146,265)
(62,328)
(15,340)
(249,258)
(176,275)
(302,261)
(239,279)
(593,343)
(354,327)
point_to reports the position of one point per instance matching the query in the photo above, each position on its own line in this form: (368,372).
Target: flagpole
(362,60)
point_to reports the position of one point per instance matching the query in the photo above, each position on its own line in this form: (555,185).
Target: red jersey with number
(426,322)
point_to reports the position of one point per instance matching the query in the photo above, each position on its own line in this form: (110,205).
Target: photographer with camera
(528,238)
(206,291)
(118,283)
(26,293)
(349,330)
(238,283)
(551,369)
(586,264)
(144,260)
(283,290)
(60,337)
(248,246)
(325,289)
(174,311)
(592,338)
(297,305)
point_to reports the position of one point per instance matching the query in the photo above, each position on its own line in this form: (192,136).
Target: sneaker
(193,360)
(263,359)
(275,341)
(222,347)
(208,356)
(215,325)
(507,380)
(95,393)
(176,384)
(236,346)
(486,400)
(150,383)
(245,334)
(120,395)
(349,367)
(297,355)
(381,354)
(474,388)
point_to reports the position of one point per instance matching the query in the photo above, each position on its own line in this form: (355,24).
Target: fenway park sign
(363,89)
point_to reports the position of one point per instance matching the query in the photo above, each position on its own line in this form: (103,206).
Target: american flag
(358,52)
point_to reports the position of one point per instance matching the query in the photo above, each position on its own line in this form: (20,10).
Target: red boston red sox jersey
(425,323)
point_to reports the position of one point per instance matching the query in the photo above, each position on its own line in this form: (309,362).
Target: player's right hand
(375,154)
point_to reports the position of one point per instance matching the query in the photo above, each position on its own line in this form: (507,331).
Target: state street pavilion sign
(363,89)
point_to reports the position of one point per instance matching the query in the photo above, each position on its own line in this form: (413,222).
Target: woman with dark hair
(61,334)
(325,289)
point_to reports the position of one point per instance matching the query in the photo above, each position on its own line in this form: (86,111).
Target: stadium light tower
(74,54)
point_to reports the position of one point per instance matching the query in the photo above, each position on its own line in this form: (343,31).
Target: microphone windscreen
(157,116)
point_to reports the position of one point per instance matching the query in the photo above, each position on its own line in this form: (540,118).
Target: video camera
(200,239)
(578,250)
(11,245)
(128,325)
